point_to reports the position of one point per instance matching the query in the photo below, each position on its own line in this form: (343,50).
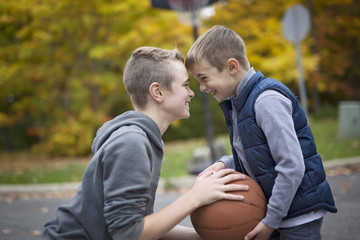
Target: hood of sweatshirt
(127,119)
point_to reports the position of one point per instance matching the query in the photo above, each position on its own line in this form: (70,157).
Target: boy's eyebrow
(199,75)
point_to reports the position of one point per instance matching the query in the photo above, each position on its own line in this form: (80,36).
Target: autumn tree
(337,38)
(61,66)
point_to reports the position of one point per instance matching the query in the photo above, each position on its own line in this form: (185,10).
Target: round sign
(296,23)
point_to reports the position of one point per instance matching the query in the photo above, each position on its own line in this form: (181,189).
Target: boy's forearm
(158,223)
(181,233)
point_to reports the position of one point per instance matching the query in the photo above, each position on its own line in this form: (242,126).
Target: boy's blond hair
(216,46)
(145,66)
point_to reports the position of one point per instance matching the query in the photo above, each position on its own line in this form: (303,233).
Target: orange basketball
(231,220)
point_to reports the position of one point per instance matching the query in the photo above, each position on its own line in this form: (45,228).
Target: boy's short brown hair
(145,66)
(216,46)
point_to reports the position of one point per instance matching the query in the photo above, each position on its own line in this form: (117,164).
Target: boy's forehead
(203,62)
(177,64)
(180,70)
(201,67)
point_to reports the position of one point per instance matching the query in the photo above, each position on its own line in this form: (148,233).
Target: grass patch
(177,155)
(328,144)
(25,167)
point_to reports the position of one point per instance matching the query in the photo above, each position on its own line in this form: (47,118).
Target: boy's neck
(238,79)
(241,74)
(156,117)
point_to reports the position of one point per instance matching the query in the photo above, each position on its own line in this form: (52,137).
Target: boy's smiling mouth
(212,93)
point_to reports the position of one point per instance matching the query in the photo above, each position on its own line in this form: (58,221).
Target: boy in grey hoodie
(116,197)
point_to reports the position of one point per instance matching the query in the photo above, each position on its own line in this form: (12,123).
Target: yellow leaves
(310,63)
(8,72)
(88,20)
(101,51)
(6,18)
(43,36)
(281,67)
(322,86)
(117,8)
(23,32)
(5,120)
(122,7)
(71,137)
(176,124)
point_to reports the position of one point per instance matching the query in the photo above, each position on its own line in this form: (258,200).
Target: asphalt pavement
(25,209)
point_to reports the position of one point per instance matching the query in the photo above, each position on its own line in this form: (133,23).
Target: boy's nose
(202,87)
(191,93)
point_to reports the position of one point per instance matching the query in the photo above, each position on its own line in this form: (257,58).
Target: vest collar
(239,101)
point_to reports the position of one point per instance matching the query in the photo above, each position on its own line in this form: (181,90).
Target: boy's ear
(156,92)
(232,66)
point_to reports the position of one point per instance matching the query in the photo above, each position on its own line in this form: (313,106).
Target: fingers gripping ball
(231,220)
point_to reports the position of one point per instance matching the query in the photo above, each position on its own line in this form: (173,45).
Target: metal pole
(204,99)
(301,78)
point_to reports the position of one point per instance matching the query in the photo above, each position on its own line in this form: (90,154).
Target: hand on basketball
(212,186)
(215,167)
(260,232)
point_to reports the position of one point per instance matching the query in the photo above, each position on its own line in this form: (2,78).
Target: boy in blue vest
(269,134)
(116,197)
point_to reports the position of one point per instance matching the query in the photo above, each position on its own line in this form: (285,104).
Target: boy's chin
(186,116)
(222,98)
(219,99)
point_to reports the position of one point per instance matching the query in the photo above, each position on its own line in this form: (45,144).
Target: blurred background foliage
(61,62)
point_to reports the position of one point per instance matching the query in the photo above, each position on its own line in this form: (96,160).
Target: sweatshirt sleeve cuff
(228,161)
(272,220)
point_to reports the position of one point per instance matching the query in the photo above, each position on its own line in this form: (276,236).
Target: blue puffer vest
(314,191)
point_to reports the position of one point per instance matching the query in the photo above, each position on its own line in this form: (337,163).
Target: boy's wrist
(272,220)
(192,202)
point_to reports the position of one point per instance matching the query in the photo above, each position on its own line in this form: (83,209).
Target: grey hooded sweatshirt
(118,186)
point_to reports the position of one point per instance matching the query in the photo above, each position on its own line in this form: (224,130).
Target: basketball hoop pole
(194,23)
(193,7)
(204,98)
